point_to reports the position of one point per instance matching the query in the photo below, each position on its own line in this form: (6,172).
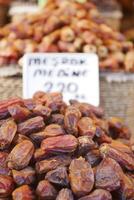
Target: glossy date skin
(6,186)
(21,155)
(53,151)
(45,190)
(31,125)
(98,194)
(7,133)
(59,177)
(81,177)
(60,144)
(106,176)
(65,194)
(23,193)
(123,158)
(52,163)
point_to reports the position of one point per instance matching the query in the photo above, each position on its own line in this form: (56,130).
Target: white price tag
(75,75)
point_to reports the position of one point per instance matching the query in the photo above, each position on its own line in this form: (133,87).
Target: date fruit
(19,113)
(21,155)
(98,194)
(60,144)
(25,176)
(53,130)
(23,193)
(7,133)
(124,159)
(50,150)
(65,194)
(31,125)
(87,126)
(85,144)
(46,191)
(58,177)
(6,186)
(52,163)
(106,176)
(81,177)
(72,116)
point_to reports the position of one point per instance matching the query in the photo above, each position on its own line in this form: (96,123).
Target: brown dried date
(43,111)
(65,194)
(40,97)
(4,113)
(25,176)
(93,157)
(46,191)
(58,177)
(23,193)
(40,154)
(118,129)
(42,160)
(98,194)
(102,137)
(116,144)
(87,126)
(107,176)
(85,144)
(124,159)
(54,101)
(38,137)
(4,170)
(3,158)
(7,133)
(19,113)
(81,177)
(31,125)
(29,104)
(19,138)
(72,116)
(52,163)
(21,155)
(57,119)
(53,130)
(89,110)
(60,144)
(2,121)
(6,186)
(127,188)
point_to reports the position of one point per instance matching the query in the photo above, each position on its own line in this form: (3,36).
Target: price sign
(75,75)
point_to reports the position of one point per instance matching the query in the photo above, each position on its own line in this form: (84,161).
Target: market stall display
(51,150)
(111,12)
(73,27)
(4,8)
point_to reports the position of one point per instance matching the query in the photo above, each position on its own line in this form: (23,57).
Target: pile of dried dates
(66,26)
(53,151)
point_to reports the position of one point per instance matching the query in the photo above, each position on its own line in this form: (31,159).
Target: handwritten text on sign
(75,75)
